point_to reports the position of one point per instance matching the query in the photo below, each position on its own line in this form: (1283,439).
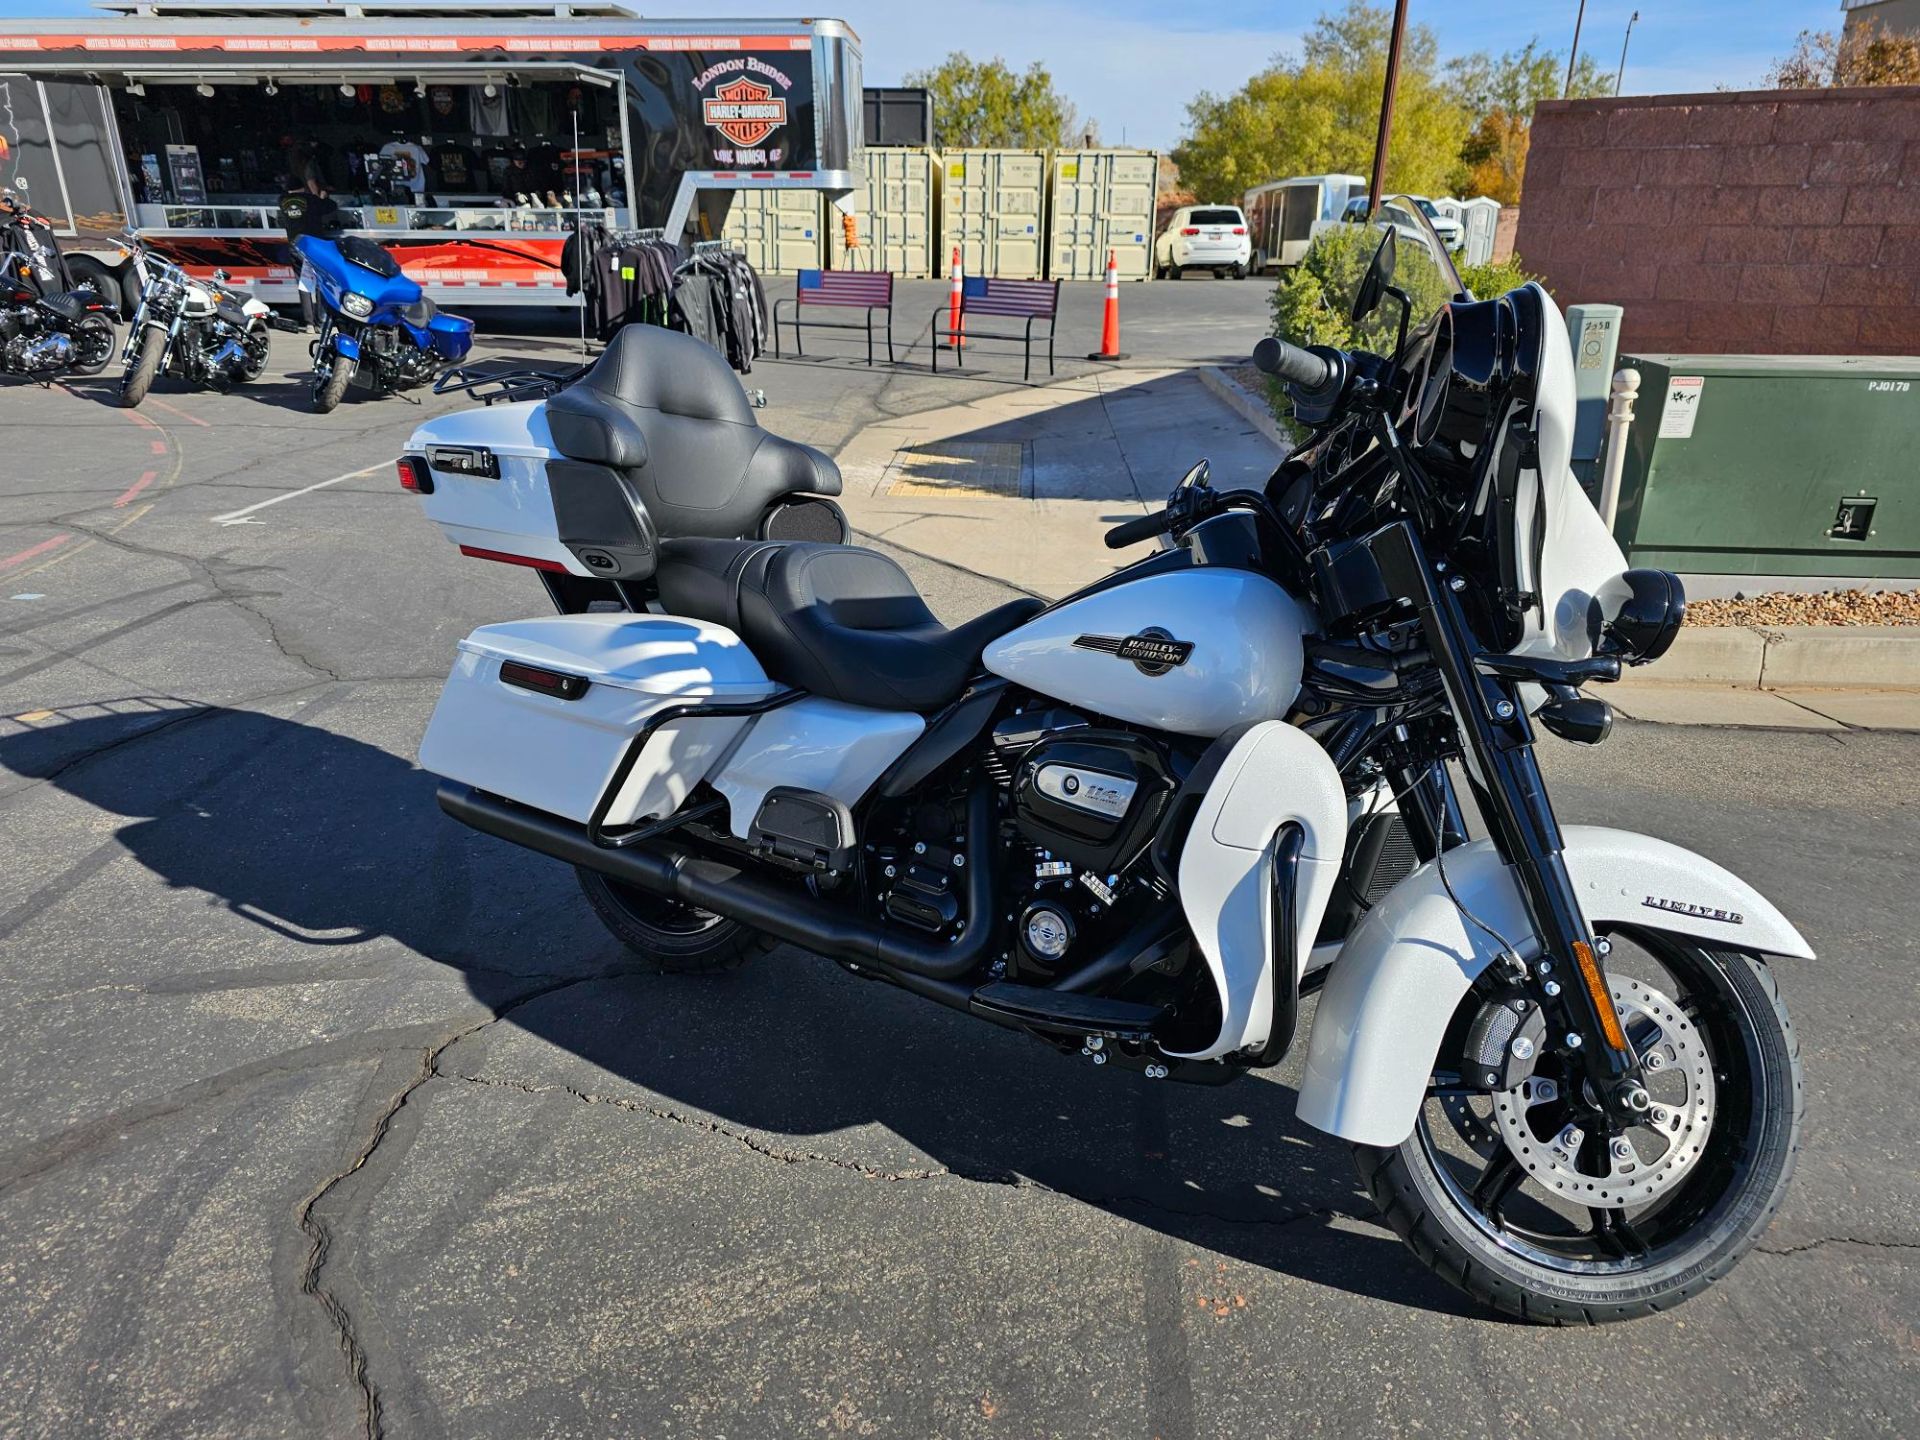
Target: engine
(27,353)
(1086,802)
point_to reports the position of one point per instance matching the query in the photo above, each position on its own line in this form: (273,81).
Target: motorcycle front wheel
(138,380)
(327,393)
(1525,1201)
(92,344)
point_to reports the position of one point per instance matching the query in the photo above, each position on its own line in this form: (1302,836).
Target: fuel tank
(1193,651)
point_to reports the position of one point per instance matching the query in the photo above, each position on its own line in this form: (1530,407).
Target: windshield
(1422,269)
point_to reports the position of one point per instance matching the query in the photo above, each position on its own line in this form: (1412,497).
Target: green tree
(987,103)
(1863,54)
(1318,112)
(1500,92)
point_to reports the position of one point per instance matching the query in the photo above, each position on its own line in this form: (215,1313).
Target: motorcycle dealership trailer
(468,138)
(1285,215)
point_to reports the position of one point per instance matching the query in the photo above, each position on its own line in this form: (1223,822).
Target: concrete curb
(1249,406)
(1882,657)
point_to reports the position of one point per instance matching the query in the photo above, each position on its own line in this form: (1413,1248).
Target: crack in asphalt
(319,1230)
(1868,1242)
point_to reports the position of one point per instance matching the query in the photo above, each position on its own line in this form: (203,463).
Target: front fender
(346,344)
(1402,973)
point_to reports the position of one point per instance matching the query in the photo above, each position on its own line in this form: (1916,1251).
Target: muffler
(662,868)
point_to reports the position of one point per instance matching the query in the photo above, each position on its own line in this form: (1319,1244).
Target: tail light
(1239,229)
(414,474)
(544,682)
(1191,230)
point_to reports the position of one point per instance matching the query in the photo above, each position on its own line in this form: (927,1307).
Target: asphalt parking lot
(330,1118)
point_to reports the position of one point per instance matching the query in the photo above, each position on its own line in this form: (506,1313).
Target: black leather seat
(420,313)
(665,409)
(71,304)
(834,620)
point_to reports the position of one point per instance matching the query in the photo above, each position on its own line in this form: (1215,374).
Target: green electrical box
(1774,465)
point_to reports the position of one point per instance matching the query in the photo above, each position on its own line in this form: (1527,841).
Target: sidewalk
(1020,488)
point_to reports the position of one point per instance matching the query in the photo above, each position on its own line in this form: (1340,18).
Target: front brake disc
(1653,1156)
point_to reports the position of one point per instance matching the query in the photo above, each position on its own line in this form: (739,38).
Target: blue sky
(1133,64)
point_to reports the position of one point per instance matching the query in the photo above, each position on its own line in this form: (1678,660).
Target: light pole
(1386,100)
(1621,75)
(1574,54)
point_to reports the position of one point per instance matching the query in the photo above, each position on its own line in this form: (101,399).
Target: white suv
(1204,237)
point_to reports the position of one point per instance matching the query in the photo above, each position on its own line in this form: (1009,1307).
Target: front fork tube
(1497,748)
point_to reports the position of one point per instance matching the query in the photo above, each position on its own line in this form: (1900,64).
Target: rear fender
(1402,973)
(1273,775)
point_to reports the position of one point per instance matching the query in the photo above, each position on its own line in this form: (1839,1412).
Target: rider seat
(665,410)
(835,620)
(71,305)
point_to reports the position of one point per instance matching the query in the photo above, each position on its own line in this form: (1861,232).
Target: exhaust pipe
(926,965)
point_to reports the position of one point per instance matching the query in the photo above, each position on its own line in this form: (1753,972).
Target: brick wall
(1778,222)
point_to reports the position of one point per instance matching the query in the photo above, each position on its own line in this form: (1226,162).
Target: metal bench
(1028,300)
(868,290)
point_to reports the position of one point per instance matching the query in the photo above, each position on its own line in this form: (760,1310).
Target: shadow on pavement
(327,841)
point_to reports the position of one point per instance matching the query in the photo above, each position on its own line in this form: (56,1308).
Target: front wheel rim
(1627,1239)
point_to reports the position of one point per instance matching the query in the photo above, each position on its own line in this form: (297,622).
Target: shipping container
(892,214)
(1768,466)
(779,230)
(898,117)
(993,206)
(1102,200)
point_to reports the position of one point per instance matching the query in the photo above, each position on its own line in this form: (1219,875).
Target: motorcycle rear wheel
(138,380)
(678,938)
(1472,1212)
(92,344)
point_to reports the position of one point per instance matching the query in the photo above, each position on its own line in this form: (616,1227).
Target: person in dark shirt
(309,210)
(518,180)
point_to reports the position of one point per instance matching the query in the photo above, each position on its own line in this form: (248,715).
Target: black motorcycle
(48,326)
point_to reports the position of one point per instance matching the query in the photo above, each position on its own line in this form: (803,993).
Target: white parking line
(238,517)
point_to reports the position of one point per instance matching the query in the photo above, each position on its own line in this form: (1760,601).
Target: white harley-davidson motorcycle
(206,332)
(1143,823)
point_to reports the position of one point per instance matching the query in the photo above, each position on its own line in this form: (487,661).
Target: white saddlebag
(557,754)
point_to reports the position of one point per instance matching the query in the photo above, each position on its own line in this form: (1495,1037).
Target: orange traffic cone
(956,321)
(1110,327)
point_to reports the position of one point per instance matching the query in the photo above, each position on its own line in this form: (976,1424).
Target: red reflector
(414,474)
(1239,229)
(505,559)
(1190,230)
(545,682)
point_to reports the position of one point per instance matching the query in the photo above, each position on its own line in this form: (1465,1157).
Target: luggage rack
(515,383)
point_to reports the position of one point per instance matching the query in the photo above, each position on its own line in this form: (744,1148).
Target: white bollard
(1613,457)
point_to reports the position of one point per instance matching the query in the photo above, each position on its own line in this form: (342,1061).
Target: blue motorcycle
(377,323)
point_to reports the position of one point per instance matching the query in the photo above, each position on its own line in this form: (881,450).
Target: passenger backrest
(667,411)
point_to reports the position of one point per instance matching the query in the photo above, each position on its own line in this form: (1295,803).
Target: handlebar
(1132,532)
(1294,365)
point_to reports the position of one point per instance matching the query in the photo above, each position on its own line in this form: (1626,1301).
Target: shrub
(1310,302)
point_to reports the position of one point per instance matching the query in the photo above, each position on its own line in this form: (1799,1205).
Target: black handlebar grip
(1292,364)
(1132,532)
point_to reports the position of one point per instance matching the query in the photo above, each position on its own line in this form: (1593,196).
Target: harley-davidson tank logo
(1153,651)
(1687,907)
(745,111)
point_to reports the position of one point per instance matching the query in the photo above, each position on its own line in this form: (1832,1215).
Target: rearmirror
(1373,285)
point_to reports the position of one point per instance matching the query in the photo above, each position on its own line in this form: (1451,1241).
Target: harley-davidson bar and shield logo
(745,111)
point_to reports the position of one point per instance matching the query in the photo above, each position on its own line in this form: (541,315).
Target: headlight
(357,306)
